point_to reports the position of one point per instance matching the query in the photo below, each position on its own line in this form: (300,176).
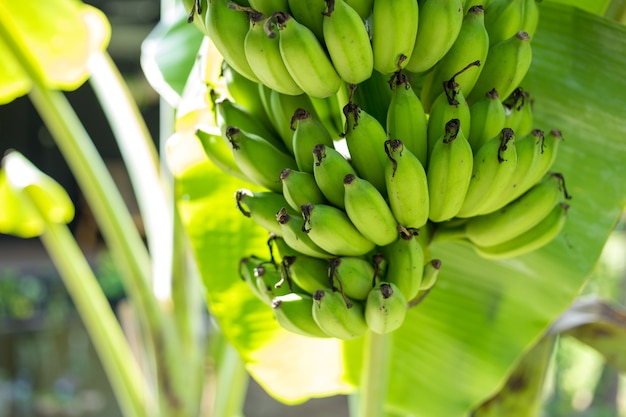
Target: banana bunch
(371,128)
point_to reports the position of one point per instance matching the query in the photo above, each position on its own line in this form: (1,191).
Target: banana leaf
(458,346)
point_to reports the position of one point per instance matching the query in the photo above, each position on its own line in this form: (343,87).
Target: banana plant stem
(232,380)
(374,382)
(105,332)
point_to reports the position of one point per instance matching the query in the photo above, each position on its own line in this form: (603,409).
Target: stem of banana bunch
(372,394)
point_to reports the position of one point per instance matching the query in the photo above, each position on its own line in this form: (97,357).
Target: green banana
(539,235)
(245,93)
(329,170)
(494,168)
(507,64)
(394,29)
(307,133)
(218,152)
(261,206)
(329,111)
(230,113)
(472,44)
(249,149)
(247,266)
(305,58)
(373,96)
(363,7)
(406,118)
(439,25)
(331,229)
(518,216)
(368,211)
(297,239)
(337,316)
(549,149)
(227,29)
(365,138)
(267,7)
(519,116)
(530,21)
(407,185)
(347,42)
(263,55)
(310,14)
(528,149)
(310,274)
(300,188)
(430,274)
(405,263)
(449,173)
(488,117)
(503,19)
(271,283)
(294,312)
(450,104)
(282,110)
(385,308)
(354,276)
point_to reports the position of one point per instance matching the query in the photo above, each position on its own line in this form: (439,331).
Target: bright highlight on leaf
(28,196)
(61,34)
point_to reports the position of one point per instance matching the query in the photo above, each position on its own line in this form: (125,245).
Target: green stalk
(105,332)
(374,383)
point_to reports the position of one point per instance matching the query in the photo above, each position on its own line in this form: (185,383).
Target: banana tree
(465,335)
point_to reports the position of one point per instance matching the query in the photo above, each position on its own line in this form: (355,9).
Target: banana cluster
(374,127)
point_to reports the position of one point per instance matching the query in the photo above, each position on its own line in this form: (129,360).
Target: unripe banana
(450,104)
(449,173)
(245,93)
(530,20)
(519,115)
(261,206)
(536,237)
(230,113)
(406,118)
(373,97)
(310,274)
(267,7)
(329,111)
(549,149)
(528,149)
(331,229)
(488,119)
(310,14)
(300,188)
(365,138)
(219,152)
(363,7)
(506,65)
(368,211)
(249,149)
(347,42)
(247,267)
(494,167)
(271,283)
(503,19)
(307,133)
(263,54)
(329,170)
(338,317)
(431,272)
(305,58)
(227,29)
(518,216)
(282,108)
(439,25)
(472,44)
(407,185)
(385,308)
(353,276)
(296,238)
(405,263)
(394,29)
(294,312)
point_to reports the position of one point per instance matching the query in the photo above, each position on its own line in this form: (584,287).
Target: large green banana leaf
(457,347)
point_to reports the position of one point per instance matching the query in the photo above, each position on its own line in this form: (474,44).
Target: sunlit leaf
(29,196)
(596,7)
(60,35)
